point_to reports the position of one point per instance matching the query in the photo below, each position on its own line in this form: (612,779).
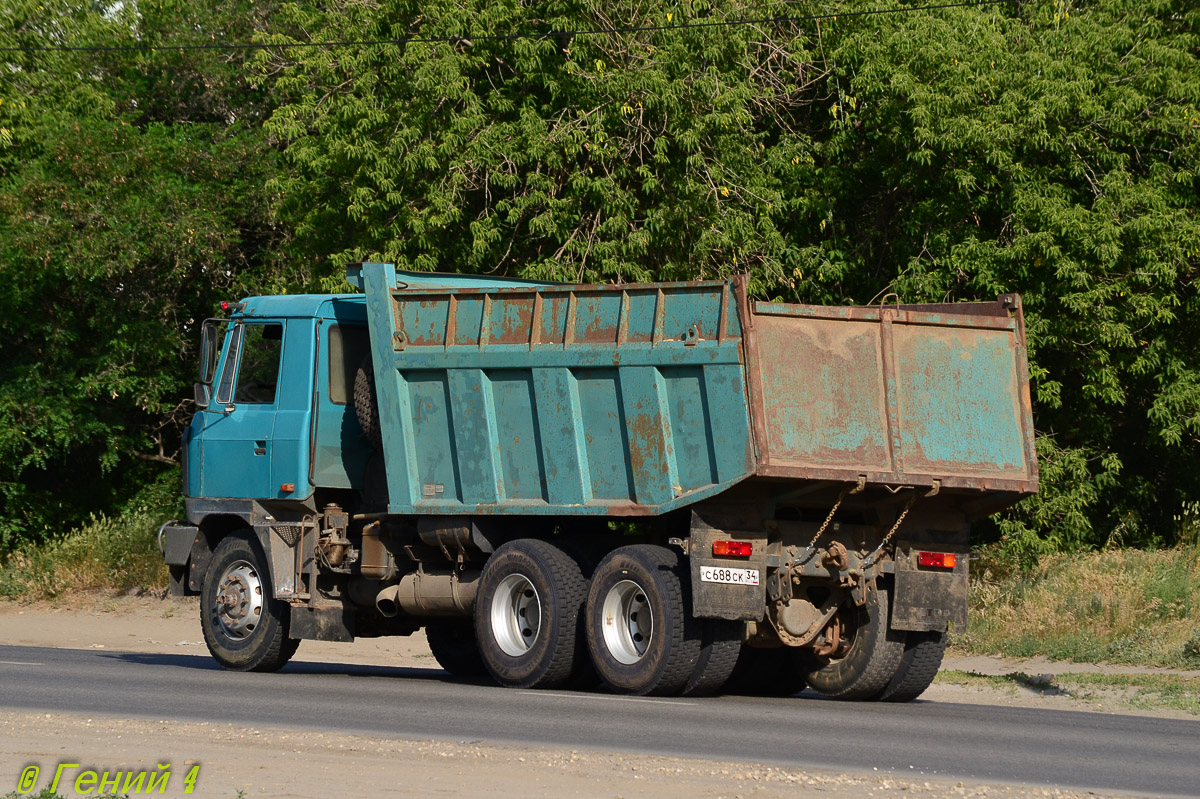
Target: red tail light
(733,549)
(937,560)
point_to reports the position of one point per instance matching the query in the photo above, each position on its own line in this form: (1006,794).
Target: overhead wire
(468,38)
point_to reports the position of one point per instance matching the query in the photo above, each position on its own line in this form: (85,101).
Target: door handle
(260,447)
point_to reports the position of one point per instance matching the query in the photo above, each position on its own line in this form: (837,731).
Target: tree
(1053,152)
(659,154)
(131,198)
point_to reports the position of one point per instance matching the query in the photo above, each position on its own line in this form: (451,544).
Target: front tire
(639,632)
(245,627)
(527,614)
(871,658)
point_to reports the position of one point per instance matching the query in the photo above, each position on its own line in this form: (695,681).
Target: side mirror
(203,392)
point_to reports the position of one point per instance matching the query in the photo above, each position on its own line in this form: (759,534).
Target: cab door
(240,422)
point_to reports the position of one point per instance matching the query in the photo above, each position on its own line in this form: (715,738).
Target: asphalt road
(979,742)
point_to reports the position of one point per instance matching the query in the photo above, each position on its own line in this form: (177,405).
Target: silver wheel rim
(628,622)
(239,600)
(516,615)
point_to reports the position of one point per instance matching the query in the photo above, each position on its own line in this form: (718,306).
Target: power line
(497,37)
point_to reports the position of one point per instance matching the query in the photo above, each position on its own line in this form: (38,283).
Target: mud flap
(929,599)
(721,600)
(183,551)
(332,623)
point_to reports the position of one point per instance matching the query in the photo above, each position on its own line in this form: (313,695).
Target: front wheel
(244,625)
(642,639)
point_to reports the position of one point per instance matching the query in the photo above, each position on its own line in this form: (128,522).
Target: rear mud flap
(929,599)
(723,600)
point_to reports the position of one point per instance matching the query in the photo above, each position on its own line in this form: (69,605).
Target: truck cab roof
(306,306)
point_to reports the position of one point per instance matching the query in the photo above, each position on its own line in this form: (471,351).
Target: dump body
(640,399)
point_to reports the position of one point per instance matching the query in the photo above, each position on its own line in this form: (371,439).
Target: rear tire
(527,612)
(871,659)
(923,653)
(454,647)
(245,627)
(720,645)
(639,630)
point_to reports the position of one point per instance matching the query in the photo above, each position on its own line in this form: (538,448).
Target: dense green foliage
(1048,148)
(131,198)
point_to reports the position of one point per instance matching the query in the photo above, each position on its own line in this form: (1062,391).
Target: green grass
(106,553)
(1138,691)
(1122,606)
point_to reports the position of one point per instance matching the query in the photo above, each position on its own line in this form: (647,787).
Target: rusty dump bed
(524,398)
(905,395)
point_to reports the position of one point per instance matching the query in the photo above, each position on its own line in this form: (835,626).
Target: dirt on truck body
(665,488)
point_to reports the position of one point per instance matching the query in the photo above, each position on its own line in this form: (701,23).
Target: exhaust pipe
(387,601)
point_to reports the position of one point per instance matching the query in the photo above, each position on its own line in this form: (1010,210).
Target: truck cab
(276,415)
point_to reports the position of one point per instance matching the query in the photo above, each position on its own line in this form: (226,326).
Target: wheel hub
(239,600)
(516,616)
(628,622)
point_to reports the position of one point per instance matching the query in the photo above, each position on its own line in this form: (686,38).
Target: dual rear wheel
(541,623)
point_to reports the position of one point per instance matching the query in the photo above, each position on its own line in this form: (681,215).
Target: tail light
(733,549)
(937,560)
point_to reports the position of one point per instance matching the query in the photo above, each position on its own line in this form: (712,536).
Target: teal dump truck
(659,488)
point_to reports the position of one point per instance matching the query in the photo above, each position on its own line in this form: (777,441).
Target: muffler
(430,594)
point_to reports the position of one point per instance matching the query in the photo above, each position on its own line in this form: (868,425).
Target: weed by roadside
(114,553)
(1120,606)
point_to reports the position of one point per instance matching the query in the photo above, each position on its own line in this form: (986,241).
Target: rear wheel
(923,652)
(720,644)
(245,627)
(527,615)
(868,659)
(639,632)
(454,647)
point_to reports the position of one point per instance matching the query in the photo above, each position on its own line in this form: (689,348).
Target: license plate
(723,574)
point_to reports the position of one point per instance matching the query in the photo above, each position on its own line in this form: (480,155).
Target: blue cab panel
(269,432)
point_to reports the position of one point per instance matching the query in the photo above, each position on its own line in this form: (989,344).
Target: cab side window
(348,347)
(262,348)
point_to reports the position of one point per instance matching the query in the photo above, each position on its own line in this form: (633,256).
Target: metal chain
(870,559)
(829,518)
